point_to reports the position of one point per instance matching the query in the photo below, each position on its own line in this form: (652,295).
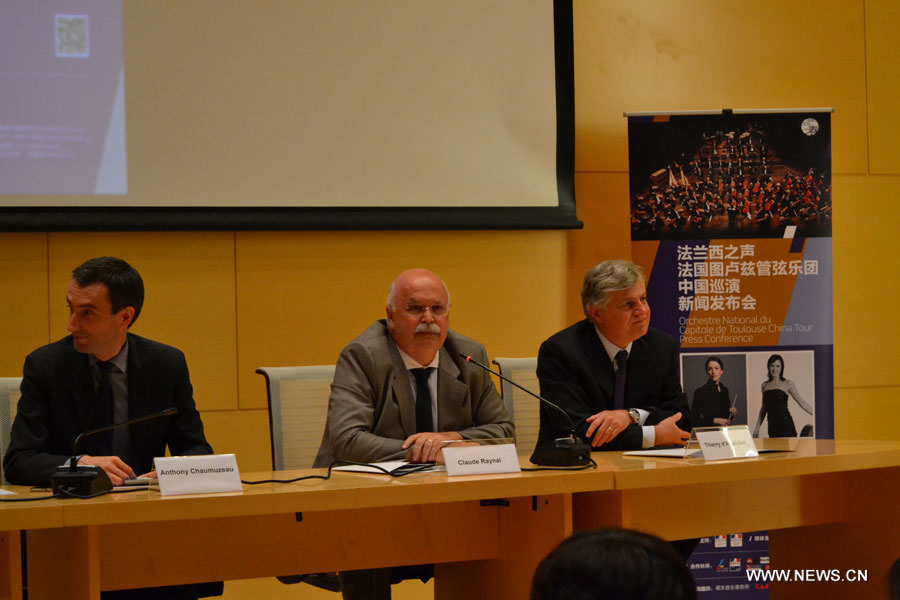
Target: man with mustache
(614,375)
(400,389)
(375,412)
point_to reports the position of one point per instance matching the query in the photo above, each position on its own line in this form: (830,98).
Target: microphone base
(86,481)
(566,453)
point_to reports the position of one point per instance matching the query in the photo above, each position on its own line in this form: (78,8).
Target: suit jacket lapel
(402,391)
(450,390)
(139,381)
(82,389)
(595,355)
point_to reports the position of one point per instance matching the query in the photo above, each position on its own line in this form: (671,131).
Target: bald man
(383,406)
(399,390)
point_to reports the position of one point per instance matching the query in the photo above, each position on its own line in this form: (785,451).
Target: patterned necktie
(621,367)
(424,421)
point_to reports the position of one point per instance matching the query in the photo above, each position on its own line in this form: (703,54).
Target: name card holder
(720,443)
(206,474)
(480,457)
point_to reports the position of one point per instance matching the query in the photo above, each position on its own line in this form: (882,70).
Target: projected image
(62,100)
(288,115)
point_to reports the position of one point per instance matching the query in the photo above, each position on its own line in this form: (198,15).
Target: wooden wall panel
(867,282)
(883,84)
(866,413)
(23,298)
(302,296)
(641,55)
(603,206)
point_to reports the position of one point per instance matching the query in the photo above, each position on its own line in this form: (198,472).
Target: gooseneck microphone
(567,451)
(88,480)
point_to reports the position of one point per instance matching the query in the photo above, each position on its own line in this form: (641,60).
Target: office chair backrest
(523,408)
(298,405)
(9,401)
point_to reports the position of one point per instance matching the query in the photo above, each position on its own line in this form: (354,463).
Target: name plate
(718,443)
(478,459)
(197,474)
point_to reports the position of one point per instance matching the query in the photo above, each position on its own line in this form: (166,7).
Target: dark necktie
(105,405)
(424,421)
(621,367)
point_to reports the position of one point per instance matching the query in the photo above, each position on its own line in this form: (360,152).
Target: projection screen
(286,114)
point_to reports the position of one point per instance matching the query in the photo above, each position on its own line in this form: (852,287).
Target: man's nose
(428,316)
(71,326)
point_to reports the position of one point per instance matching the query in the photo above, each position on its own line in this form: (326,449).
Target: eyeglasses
(417,310)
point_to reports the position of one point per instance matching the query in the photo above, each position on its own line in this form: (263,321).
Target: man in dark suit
(99,375)
(616,377)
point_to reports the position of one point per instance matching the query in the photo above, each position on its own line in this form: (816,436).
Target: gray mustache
(428,328)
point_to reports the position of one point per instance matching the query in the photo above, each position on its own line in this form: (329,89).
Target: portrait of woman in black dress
(776,390)
(712,403)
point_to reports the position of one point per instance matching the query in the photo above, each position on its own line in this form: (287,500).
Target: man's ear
(390,318)
(595,313)
(126,315)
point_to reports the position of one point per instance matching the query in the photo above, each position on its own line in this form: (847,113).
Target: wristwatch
(635,415)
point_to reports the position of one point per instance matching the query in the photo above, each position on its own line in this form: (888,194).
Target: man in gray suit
(401,388)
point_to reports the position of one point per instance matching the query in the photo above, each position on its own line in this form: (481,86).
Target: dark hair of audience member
(615,564)
(894,580)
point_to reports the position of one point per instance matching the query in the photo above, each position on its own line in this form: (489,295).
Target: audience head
(894,580)
(418,313)
(614,298)
(614,564)
(105,297)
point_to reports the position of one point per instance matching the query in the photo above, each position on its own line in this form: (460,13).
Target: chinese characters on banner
(731,222)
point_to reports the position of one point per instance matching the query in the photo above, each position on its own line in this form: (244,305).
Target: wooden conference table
(830,505)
